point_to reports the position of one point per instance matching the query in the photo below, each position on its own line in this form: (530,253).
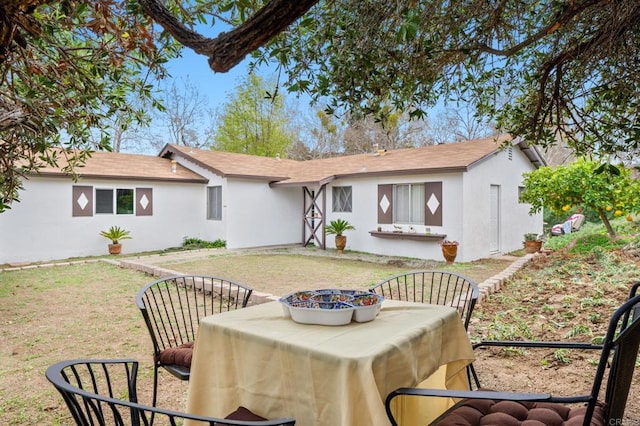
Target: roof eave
(120,177)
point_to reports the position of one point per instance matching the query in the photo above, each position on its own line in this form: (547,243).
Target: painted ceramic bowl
(298,296)
(332,297)
(367,306)
(328,291)
(321,313)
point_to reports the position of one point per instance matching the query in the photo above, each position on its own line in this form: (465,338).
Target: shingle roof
(115,165)
(426,159)
(284,172)
(229,164)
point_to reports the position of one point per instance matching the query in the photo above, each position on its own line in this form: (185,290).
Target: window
(409,203)
(341,198)
(104,201)
(520,191)
(123,202)
(214,203)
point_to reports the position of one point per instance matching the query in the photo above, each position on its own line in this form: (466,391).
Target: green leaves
(605,188)
(254,121)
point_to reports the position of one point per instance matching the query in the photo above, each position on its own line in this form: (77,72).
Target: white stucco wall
(466,211)
(253,213)
(365,216)
(259,215)
(41,226)
(505,171)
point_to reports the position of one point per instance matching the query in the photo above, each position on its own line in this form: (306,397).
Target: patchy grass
(88,310)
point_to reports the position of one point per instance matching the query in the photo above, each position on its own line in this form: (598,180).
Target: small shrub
(196,243)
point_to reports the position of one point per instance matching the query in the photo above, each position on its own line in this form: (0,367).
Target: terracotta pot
(115,248)
(532,246)
(449,251)
(341,242)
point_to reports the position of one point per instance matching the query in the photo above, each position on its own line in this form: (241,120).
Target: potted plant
(115,234)
(532,242)
(449,250)
(338,227)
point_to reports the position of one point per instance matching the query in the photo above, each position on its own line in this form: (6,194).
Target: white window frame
(214,202)
(114,200)
(342,199)
(409,203)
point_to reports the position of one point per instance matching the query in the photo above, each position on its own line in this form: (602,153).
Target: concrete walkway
(151,264)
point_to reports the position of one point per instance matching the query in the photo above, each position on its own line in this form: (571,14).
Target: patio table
(324,375)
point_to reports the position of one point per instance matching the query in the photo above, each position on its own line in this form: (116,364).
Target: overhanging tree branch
(228,49)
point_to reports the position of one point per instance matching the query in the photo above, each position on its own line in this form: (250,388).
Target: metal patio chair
(103,392)
(618,358)
(435,287)
(173,306)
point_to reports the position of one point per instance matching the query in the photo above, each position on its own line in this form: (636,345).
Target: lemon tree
(609,190)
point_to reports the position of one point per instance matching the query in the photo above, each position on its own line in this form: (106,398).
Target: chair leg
(155,385)
(471,374)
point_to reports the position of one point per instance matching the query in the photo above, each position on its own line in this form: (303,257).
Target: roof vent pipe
(174,166)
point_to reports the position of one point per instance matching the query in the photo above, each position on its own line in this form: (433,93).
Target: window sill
(408,236)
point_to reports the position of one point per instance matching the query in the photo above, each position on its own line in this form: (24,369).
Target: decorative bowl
(367,306)
(321,313)
(332,297)
(297,296)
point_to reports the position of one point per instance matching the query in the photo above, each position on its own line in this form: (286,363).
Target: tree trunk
(607,224)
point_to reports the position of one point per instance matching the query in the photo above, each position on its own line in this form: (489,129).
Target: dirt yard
(88,310)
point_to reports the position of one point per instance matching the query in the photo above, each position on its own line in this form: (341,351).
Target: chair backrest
(103,392)
(432,286)
(173,306)
(619,357)
(576,221)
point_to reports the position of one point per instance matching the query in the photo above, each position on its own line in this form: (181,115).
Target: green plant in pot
(338,227)
(115,234)
(532,242)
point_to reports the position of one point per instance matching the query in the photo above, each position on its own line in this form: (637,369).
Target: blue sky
(215,86)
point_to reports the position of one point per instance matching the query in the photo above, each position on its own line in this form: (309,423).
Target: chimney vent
(174,166)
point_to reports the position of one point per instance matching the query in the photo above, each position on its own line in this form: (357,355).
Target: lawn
(88,310)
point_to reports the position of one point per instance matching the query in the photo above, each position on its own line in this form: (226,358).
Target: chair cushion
(476,412)
(245,415)
(180,355)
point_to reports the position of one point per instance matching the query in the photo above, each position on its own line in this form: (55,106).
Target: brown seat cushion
(244,414)
(476,412)
(180,355)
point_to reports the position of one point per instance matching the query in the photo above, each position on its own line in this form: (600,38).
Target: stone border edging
(486,287)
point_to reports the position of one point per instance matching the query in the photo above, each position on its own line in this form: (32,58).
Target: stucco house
(466,191)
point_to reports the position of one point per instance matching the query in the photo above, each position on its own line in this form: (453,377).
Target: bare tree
(185,118)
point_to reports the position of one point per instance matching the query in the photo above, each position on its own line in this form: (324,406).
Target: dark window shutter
(144,201)
(82,201)
(433,203)
(385,203)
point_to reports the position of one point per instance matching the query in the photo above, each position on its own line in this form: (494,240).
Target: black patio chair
(436,287)
(172,308)
(618,356)
(103,392)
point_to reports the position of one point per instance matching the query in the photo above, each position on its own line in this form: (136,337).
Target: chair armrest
(536,344)
(447,393)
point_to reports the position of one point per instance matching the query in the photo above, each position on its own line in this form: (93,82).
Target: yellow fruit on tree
(618,213)
(609,208)
(566,207)
(629,218)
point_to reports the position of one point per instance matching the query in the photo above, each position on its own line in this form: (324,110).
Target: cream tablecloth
(323,375)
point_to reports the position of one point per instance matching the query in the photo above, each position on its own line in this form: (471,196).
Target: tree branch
(228,49)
